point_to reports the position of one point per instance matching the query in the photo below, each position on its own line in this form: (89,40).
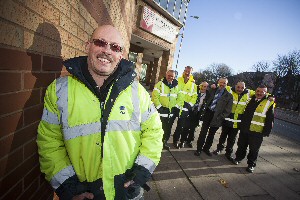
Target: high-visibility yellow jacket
(187,95)
(70,140)
(238,106)
(259,116)
(165,95)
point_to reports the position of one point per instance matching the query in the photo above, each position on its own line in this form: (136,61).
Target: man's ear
(121,56)
(87,47)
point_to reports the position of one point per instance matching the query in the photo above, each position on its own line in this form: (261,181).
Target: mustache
(105,56)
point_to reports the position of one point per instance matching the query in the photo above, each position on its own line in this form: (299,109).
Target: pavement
(181,175)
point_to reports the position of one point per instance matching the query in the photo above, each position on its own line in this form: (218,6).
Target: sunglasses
(102,43)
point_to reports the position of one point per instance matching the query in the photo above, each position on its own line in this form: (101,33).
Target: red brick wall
(35,36)
(23,79)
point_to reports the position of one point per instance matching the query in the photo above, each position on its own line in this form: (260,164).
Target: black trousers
(194,122)
(182,129)
(167,124)
(254,143)
(203,142)
(230,133)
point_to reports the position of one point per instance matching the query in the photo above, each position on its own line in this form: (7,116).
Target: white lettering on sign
(158,25)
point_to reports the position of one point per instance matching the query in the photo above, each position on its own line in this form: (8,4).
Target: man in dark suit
(219,105)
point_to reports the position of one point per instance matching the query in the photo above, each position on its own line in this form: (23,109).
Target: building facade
(36,36)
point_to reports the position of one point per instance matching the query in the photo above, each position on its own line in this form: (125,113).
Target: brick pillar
(149,72)
(138,65)
(155,72)
(164,64)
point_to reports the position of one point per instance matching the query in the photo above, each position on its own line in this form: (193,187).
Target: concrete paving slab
(211,188)
(259,197)
(286,179)
(274,187)
(179,188)
(181,175)
(241,184)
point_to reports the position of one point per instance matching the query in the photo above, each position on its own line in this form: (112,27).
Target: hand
(84,196)
(128,183)
(271,98)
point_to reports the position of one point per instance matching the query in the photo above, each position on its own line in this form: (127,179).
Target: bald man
(100,136)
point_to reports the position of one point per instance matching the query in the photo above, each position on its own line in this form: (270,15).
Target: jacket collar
(78,67)
(174,83)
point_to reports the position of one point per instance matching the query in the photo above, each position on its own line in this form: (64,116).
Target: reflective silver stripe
(190,94)
(173,95)
(156,89)
(266,107)
(147,114)
(162,88)
(158,107)
(62,102)
(257,123)
(123,125)
(82,130)
(230,91)
(259,114)
(185,109)
(235,102)
(61,176)
(163,115)
(163,95)
(242,103)
(135,102)
(232,120)
(171,115)
(177,106)
(50,117)
(145,162)
(191,104)
(134,123)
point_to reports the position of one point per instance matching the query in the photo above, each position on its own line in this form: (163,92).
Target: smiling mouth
(104,60)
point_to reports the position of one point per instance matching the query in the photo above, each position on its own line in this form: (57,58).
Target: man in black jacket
(218,107)
(198,112)
(257,122)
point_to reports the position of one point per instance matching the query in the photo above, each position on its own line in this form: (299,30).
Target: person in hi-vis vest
(100,136)
(256,123)
(164,97)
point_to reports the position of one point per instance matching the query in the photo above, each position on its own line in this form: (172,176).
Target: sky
(238,33)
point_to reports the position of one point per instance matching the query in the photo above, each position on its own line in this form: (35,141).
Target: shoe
(229,157)
(217,152)
(236,162)
(189,145)
(250,169)
(207,152)
(197,153)
(166,147)
(181,145)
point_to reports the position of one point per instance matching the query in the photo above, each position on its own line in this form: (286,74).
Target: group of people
(101,136)
(235,109)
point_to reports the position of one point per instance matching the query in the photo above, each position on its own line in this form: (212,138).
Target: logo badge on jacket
(122,110)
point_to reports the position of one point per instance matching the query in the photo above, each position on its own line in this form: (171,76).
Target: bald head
(104,52)
(110,32)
